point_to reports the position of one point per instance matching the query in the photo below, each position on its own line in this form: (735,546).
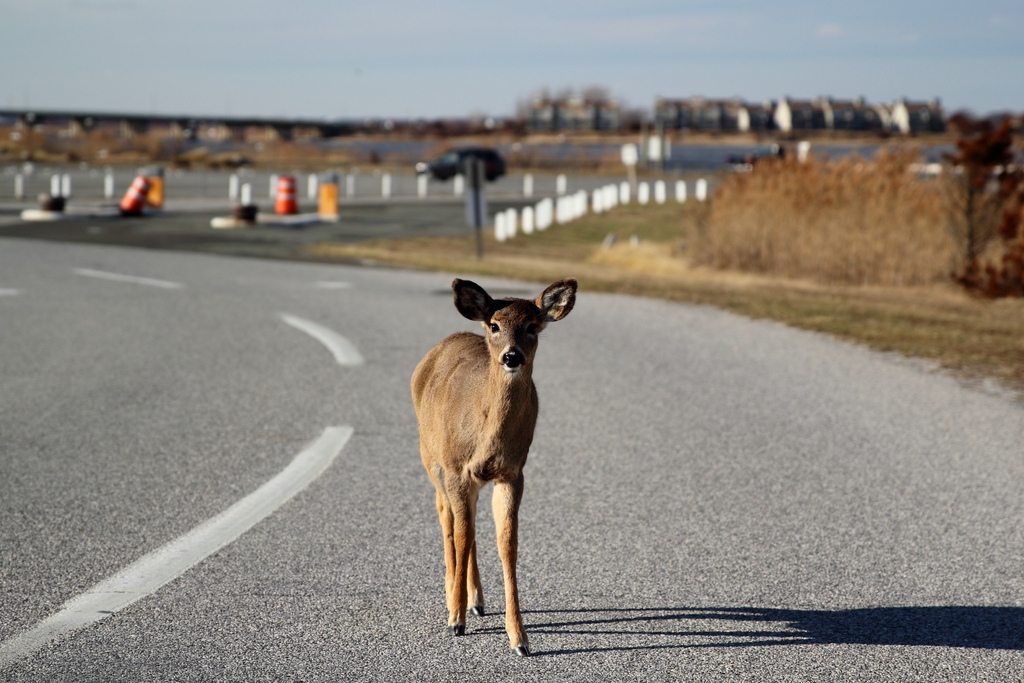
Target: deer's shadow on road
(623,629)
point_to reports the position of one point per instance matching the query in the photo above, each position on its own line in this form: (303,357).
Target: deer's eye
(531,329)
(494,328)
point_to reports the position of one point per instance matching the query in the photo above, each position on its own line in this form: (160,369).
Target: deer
(476,407)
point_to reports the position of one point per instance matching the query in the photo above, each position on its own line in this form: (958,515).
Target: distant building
(854,115)
(698,113)
(791,115)
(918,117)
(756,117)
(574,113)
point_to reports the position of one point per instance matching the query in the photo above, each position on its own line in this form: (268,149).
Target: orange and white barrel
(286,203)
(135,198)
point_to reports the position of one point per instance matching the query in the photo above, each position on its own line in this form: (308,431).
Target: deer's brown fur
(477,407)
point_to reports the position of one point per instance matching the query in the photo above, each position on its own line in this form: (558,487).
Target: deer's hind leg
(474,589)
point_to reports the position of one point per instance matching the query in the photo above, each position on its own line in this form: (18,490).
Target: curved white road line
(342,349)
(170,561)
(117,277)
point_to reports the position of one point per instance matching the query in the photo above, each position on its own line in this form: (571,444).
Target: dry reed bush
(843,222)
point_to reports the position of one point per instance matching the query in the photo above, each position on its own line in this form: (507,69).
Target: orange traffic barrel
(286,202)
(135,198)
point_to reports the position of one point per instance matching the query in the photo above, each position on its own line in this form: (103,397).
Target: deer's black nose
(513,359)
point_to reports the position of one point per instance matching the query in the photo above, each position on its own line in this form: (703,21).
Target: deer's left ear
(557,300)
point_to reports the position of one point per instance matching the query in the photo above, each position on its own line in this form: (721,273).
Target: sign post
(630,156)
(476,201)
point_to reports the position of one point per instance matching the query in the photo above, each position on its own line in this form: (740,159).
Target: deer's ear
(471,300)
(557,300)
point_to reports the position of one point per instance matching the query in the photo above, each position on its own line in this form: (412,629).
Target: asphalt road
(707,497)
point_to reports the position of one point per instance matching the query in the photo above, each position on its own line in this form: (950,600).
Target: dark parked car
(451,163)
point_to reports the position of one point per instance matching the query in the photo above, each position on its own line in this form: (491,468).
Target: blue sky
(317,58)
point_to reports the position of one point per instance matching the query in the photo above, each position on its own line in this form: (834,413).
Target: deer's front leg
(461,502)
(444,516)
(505,503)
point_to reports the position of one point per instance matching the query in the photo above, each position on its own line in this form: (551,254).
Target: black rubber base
(477,610)
(522,651)
(457,630)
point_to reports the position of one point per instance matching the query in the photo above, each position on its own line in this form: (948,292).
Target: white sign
(630,155)
(654,149)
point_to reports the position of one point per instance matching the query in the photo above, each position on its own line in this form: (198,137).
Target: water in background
(698,157)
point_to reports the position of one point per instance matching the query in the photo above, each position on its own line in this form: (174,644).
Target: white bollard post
(561,185)
(581,204)
(108,185)
(611,197)
(528,185)
(510,222)
(681,191)
(65,186)
(701,190)
(460,184)
(421,185)
(246,194)
(385,186)
(659,192)
(350,185)
(232,187)
(544,214)
(597,201)
(312,186)
(55,186)
(19,186)
(499,226)
(643,193)
(273,186)
(624,192)
(527,220)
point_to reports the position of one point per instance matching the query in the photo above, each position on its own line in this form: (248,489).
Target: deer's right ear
(471,300)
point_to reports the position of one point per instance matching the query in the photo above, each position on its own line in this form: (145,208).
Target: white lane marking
(117,277)
(9,292)
(343,350)
(333,284)
(168,562)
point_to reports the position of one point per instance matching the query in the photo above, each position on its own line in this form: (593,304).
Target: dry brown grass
(937,322)
(844,222)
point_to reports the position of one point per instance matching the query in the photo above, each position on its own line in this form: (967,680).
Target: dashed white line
(333,284)
(165,564)
(342,349)
(9,292)
(118,277)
